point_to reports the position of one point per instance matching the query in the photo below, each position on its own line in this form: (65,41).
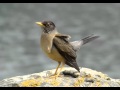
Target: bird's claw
(55,76)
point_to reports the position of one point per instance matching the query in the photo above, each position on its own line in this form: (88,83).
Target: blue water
(20,53)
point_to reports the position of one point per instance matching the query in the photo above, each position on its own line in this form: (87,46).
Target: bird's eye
(49,24)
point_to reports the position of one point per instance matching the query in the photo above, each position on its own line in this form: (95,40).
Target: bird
(58,47)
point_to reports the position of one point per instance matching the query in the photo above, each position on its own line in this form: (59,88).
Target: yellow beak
(39,23)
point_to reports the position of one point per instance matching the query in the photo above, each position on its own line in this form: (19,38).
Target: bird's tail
(89,38)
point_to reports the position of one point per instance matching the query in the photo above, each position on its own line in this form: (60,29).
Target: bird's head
(47,26)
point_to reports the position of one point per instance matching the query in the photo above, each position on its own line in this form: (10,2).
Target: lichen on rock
(69,78)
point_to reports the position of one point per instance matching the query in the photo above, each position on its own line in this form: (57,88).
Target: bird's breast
(46,43)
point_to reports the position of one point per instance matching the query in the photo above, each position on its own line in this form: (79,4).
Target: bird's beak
(39,23)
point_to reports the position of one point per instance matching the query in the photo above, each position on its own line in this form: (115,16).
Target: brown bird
(58,47)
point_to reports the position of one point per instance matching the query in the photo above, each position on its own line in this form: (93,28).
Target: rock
(69,77)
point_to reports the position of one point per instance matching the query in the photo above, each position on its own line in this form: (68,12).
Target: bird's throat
(46,42)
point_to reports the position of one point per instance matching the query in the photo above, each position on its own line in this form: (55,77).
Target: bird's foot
(55,76)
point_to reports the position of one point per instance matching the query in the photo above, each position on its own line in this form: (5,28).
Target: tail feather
(88,39)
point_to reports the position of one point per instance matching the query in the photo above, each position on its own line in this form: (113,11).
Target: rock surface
(69,78)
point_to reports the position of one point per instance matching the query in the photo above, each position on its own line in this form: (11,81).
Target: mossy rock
(69,77)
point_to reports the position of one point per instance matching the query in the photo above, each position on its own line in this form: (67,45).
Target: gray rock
(68,78)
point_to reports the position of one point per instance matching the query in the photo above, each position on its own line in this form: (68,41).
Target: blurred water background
(19,36)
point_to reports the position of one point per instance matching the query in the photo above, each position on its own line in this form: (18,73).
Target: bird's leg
(63,63)
(56,70)
(57,74)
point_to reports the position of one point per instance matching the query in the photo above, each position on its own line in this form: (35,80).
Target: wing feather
(66,50)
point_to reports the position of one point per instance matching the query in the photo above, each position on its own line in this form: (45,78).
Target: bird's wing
(64,36)
(66,50)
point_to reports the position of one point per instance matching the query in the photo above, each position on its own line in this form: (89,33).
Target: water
(19,36)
